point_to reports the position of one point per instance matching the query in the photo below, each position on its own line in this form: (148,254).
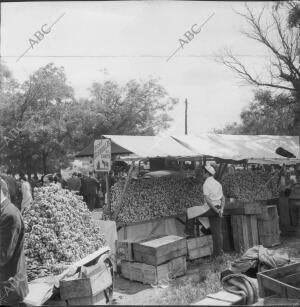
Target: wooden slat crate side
(268,213)
(268,227)
(239,208)
(244,229)
(202,241)
(200,253)
(160,246)
(272,280)
(160,254)
(254,230)
(98,299)
(124,250)
(235,231)
(150,274)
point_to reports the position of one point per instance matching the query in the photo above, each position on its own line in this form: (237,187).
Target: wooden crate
(200,247)
(268,213)
(87,290)
(124,250)
(284,281)
(237,207)
(150,274)
(245,232)
(158,251)
(268,227)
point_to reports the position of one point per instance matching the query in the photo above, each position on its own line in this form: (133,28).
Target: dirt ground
(134,293)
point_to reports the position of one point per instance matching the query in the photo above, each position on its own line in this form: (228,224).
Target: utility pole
(186,109)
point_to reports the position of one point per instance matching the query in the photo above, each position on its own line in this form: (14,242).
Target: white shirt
(213,190)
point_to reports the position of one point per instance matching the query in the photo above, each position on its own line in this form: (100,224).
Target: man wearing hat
(13,279)
(213,195)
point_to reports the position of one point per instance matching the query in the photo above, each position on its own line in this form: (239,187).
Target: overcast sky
(132,40)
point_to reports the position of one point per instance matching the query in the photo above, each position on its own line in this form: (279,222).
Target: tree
(137,108)
(38,114)
(267,114)
(282,41)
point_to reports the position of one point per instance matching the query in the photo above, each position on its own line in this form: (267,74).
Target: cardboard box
(87,290)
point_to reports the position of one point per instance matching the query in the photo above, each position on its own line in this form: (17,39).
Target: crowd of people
(90,187)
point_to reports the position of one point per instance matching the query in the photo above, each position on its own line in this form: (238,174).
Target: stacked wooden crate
(199,247)
(268,226)
(243,223)
(153,260)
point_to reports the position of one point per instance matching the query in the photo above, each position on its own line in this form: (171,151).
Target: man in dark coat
(13,278)
(89,189)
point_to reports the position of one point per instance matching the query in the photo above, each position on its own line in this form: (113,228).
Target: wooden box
(268,213)
(268,227)
(158,251)
(150,274)
(124,250)
(87,290)
(284,281)
(245,232)
(200,247)
(237,207)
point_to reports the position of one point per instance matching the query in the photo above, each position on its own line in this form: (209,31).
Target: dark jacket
(89,186)
(13,278)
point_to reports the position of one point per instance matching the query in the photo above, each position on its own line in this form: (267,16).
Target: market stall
(64,248)
(146,207)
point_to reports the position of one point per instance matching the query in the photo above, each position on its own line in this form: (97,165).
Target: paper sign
(102,155)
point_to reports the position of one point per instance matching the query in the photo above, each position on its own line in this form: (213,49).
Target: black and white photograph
(149,153)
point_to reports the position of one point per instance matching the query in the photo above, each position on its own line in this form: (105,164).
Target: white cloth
(213,190)
(26,195)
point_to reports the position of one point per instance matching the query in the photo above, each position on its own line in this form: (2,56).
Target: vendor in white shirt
(213,196)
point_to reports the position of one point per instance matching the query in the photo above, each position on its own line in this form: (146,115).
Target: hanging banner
(102,155)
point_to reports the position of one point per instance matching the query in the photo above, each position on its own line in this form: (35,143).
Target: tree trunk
(44,157)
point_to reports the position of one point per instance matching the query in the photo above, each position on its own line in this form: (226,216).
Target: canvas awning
(242,147)
(151,146)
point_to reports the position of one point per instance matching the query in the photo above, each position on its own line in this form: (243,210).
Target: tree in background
(137,108)
(38,114)
(272,29)
(267,114)
(51,126)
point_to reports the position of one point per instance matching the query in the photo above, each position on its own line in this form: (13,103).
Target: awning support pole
(124,191)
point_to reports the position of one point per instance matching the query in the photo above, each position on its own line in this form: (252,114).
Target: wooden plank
(98,299)
(276,301)
(254,230)
(225,296)
(150,274)
(293,279)
(211,302)
(159,250)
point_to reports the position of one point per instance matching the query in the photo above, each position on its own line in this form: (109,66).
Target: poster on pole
(102,155)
